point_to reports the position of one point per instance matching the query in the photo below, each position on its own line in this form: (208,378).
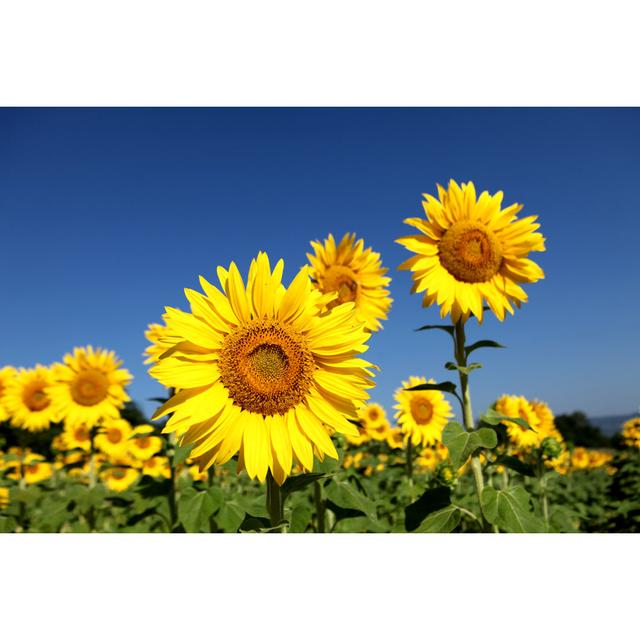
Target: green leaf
(493,417)
(346,496)
(443,327)
(482,344)
(509,510)
(301,515)
(7,524)
(181,453)
(441,521)
(230,516)
(431,500)
(299,482)
(462,443)
(195,509)
(452,366)
(255,524)
(447,387)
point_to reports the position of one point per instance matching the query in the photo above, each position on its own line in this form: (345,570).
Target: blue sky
(108,214)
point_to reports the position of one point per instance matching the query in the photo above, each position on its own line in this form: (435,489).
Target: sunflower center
(470,252)
(32,468)
(266,367)
(373,414)
(114,436)
(89,387)
(421,410)
(81,434)
(36,399)
(343,280)
(118,474)
(143,443)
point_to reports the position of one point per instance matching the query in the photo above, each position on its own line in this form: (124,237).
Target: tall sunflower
(422,415)
(471,251)
(90,386)
(6,375)
(28,399)
(263,371)
(356,274)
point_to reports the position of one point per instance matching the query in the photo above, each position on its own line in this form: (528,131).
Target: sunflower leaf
(443,327)
(430,501)
(493,417)
(452,366)
(441,521)
(447,387)
(299,482)
(509,509)
(181,453)
(194,509)
(482,344)
(346,496)
(462,444)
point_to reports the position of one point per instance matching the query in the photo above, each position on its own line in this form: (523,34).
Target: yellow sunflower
(631,433)
(546,426)
(76,437)
(428,459)
(160,339)
(6,375)
(113,438)
(421,414)
(355,274)
(520,407)
(143,445)
(471,251)
(394,437)
(263,371)
(28,399)
(90,386)
(4,497)
(35,469)
(157,467)
(373,417)
(580,458)
(119,478)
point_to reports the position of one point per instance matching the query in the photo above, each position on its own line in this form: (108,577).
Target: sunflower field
(267,424)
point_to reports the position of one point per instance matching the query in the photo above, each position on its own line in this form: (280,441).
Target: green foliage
(462,443)
(510,511)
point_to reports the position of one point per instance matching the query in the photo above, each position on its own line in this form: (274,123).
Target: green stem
(91,516)
(410,460)
(211,477)
(317,494)
(275,504)
(467,412)
(542,482)
(173,509)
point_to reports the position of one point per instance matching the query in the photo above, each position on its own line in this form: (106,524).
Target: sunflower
(76,437)
(6,375)
(28,399)
(580,458)
(373,417)
(143,445)
(546,426)
(113,438)
(263,371)
(519,407)
(428,459)
(157,467)
(4,497)
(421,414)
(90,386)
(394,438)
(355,274)
(471,251)
(35,469)
(196,474)
(631,433)
(119,478)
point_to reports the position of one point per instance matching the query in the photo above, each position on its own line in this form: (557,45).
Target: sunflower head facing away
(28,399)
(471,251)
(520,407)
(263,371)
(90,386)
(355,274)
(422,415)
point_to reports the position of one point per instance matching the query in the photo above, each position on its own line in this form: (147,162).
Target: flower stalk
(275,504)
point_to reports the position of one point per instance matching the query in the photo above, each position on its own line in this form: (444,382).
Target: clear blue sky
(108,214)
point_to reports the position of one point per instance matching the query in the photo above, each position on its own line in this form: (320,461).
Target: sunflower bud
(445,474)
(551,448)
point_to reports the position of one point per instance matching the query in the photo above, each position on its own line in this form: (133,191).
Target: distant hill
(610,425)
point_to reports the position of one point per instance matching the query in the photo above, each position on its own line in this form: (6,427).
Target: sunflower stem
(410,460)
(317,494)
(275,504)
(542,482)
(91,519)
(467,412)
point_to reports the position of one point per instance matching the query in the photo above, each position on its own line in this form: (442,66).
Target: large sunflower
(160,339)
(547,426)
(471,251)
(356,274)
(422,415)
(6,375)
(28,399)
(90,386)
(520,407)
(263,371)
